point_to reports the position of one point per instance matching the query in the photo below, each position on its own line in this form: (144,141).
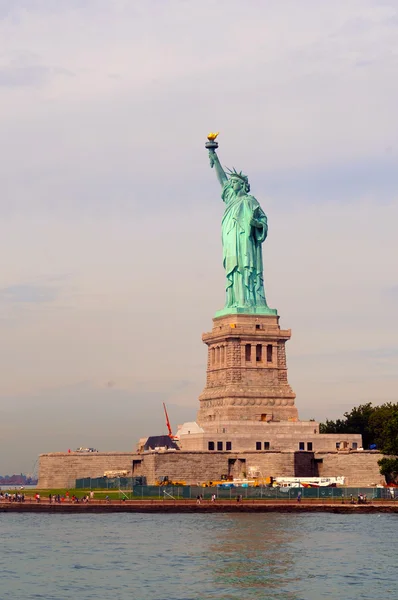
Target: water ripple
(198,557)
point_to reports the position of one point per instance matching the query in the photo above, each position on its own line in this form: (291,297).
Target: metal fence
(128,485)
(258,492)
(106,483)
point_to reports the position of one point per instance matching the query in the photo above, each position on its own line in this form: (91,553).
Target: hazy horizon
(110,213)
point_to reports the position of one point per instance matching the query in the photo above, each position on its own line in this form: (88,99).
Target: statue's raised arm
(215,162)
(212,145)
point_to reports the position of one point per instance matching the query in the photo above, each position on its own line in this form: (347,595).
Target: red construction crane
(171,436)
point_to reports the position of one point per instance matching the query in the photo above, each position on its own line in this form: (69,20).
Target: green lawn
(98,494)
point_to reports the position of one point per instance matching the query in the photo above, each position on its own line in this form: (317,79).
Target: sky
(111,262)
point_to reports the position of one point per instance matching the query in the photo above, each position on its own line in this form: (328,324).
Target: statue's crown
(234,173)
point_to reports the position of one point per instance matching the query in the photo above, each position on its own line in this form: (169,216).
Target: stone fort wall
(359,468)
(61,469)
(198,467)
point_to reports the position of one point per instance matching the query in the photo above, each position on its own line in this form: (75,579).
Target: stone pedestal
(246,372)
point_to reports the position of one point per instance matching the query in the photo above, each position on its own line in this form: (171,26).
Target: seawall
(188,506)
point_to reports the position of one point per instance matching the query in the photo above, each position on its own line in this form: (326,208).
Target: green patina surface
(244,229)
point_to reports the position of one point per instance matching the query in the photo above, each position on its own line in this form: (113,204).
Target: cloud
(34,75)
(392,291)
(27,294)
(335,182)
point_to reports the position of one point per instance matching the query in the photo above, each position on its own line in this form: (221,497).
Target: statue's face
(237,184)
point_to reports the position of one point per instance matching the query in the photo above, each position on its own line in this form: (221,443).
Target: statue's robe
(242,253)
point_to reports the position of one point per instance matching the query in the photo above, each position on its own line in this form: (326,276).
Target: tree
(384,425)
(378,425)
(389,468)
(356,421)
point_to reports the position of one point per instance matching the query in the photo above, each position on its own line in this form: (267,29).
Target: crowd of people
(52,498)
(361,499)
(16,497)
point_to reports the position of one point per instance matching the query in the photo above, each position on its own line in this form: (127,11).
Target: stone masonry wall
(359,468)
(246,371)
(198,467)
(282,436)
(60,469)
(233,374)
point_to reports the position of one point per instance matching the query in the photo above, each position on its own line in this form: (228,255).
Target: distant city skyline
(105,103)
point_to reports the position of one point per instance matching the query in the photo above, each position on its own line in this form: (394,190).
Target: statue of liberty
(244,229)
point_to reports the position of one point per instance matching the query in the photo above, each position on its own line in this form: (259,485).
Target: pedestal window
(269,353)
(259,353)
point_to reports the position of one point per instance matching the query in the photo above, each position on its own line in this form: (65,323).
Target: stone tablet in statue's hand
(255,221)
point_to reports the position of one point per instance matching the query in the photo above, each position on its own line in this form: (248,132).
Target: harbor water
(198,557)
